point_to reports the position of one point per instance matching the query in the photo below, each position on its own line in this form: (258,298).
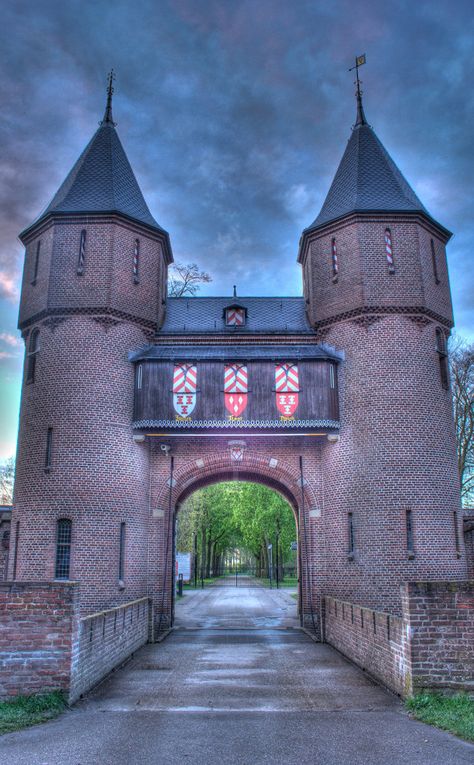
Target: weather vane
(110,90)
(360,60)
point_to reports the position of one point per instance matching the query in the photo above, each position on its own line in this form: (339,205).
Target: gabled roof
(102,181)
(367,180)
(264,315)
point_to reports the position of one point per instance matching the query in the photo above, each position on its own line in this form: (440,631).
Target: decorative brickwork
(469,542)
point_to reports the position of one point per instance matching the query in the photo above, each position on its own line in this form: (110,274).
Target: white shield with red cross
(235,388)
(184,388)
(287,388)
(235,316)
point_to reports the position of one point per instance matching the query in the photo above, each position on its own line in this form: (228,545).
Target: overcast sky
(234,115)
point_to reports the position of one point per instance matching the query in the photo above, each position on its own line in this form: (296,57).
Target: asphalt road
(243,695)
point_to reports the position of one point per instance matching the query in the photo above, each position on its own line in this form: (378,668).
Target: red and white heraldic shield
(235,317)
(184,388)
(287,388)
(235,388)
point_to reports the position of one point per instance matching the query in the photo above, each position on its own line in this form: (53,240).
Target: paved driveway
(239,695)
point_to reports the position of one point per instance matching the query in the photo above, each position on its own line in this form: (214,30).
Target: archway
(177,477)
(237,551)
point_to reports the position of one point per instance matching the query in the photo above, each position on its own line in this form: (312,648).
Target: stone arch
(281,475)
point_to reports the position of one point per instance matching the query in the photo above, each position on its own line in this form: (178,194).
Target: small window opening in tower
(442,351)
(409,533)
(139,376)
(332,376)
(63,548)
(389,251)
(82,253)
(434,263)
(36,264)
(334,259)
(456,534)
(33,349)
(350,529)
(121,566)
(48,457)
(136,256)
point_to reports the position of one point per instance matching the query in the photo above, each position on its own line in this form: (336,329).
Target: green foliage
(24,711)
(236,517)
(452,713)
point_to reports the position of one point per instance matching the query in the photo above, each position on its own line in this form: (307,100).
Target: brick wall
(430,646)
(104,641)
(441,619)
(373,640)
(37,623)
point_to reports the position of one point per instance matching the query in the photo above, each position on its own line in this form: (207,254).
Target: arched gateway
(338,399)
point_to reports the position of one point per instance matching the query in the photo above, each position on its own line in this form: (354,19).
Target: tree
(7,477)
(185,279)
(462,383)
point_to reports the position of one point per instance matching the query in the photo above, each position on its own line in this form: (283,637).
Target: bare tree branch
(7,477)
(462,383)
(185,279)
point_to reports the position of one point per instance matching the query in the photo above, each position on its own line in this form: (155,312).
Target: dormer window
(235,316)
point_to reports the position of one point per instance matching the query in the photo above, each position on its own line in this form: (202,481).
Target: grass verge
(452,713)
(24,711)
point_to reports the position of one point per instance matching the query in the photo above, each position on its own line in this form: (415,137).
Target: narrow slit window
(33,349)
(63,548)
(139,376)
(82,253)
(332,376)
(442,351)
(434,262)
(334,260)
(37,260)
(409,531)
(49,450)
(136,261)
(121,571)
(350,529)
(456,533)
(15,549)
(389,250)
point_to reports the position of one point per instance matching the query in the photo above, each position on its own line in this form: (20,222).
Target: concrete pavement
(242,695)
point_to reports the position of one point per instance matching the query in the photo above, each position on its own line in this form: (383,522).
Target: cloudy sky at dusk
(234,115)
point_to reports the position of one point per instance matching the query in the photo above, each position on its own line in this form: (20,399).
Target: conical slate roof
(367,180)
(102,180)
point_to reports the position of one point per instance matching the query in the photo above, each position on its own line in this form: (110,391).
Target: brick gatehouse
(339,400)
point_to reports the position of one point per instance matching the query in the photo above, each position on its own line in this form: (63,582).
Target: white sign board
(183,565)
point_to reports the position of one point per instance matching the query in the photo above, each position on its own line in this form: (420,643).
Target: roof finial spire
(108,119)
(360,60)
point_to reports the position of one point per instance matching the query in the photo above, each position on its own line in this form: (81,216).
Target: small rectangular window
(15,549)
(121,571)
(434,263)
(63,548)
(409,531)
(442,351)
(332,376)
(36,265)
(334,260)
(136,258)
(33,349)
(389,251)
(456,534)
(49,450)
(139,376)
(82,253)
(350,529)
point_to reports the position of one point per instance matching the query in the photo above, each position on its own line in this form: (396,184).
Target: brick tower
(376,285)
(93,288)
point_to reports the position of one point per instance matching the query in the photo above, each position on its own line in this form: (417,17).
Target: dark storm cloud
(234,116)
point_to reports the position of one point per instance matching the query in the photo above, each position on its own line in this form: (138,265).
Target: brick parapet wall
(104,641)
(441,620)
(371,639)
(37,624)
